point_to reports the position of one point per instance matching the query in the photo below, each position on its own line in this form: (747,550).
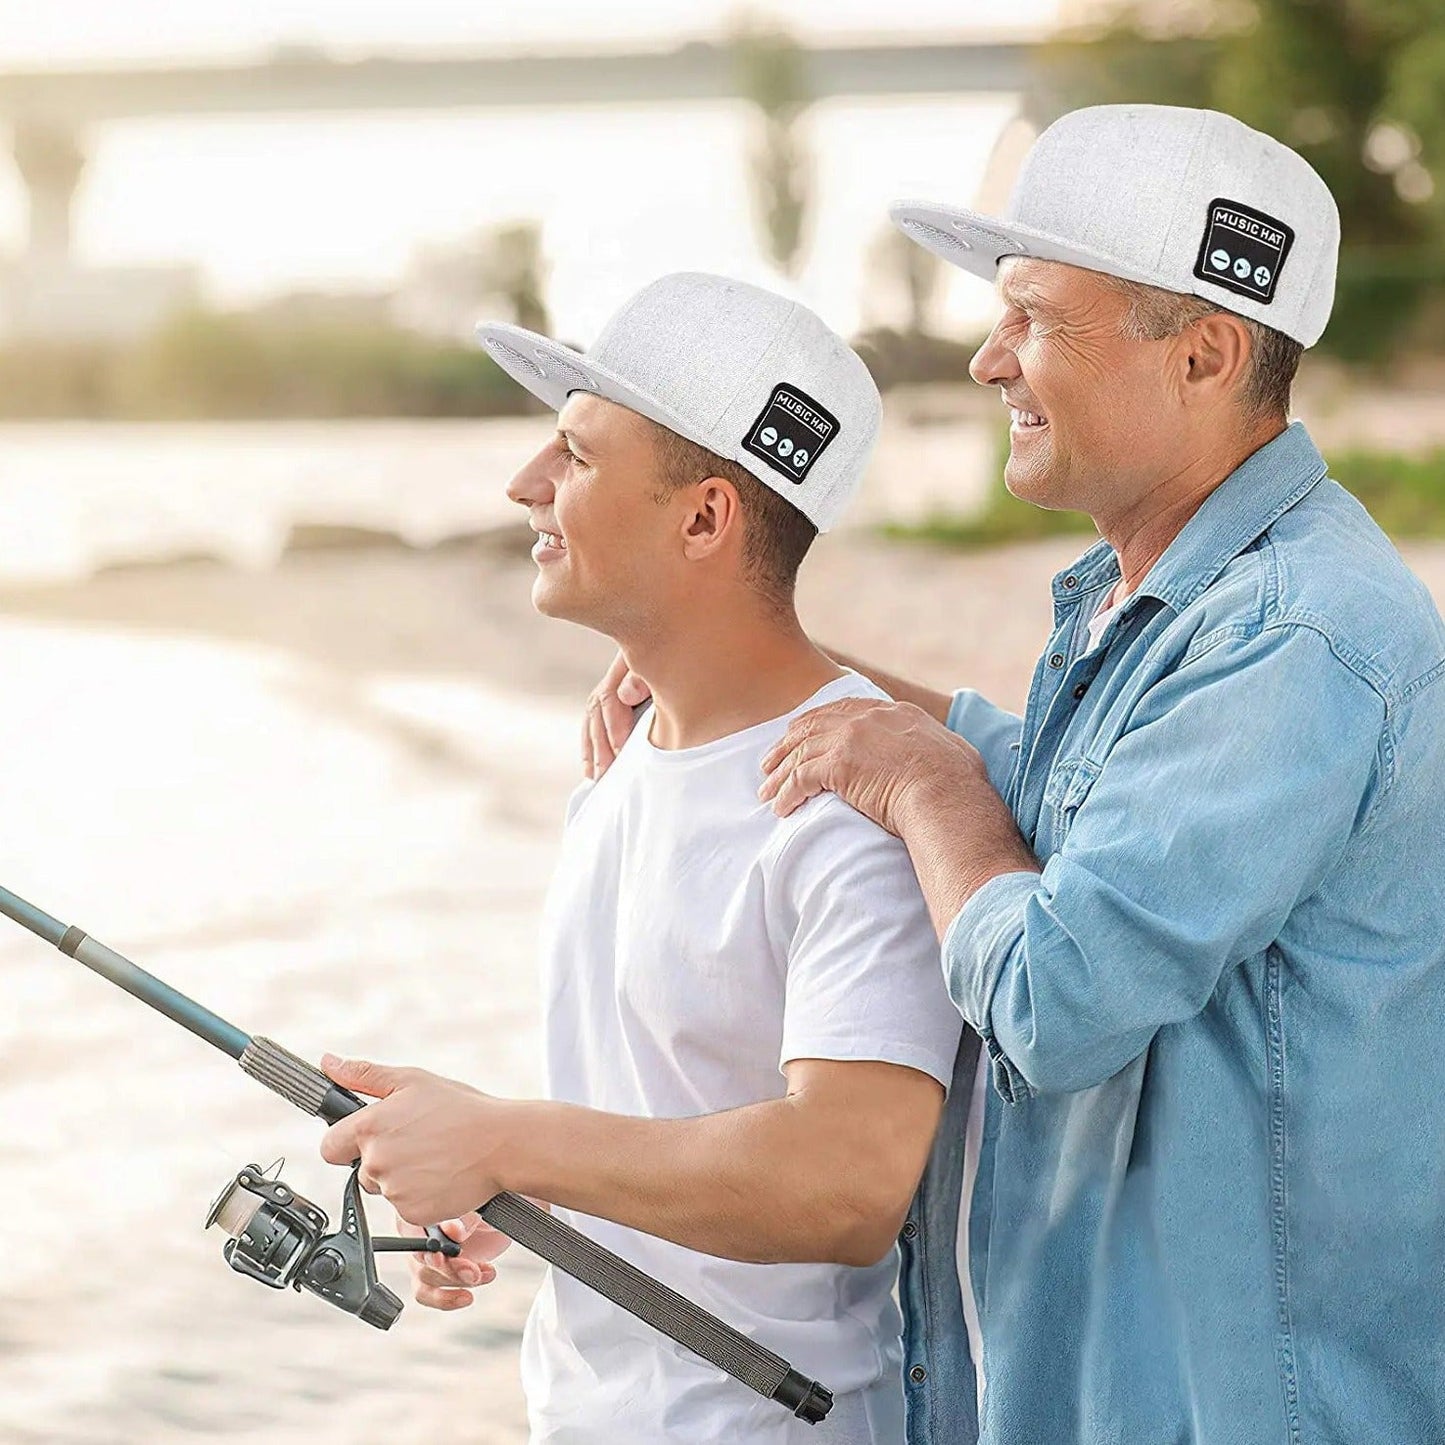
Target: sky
(264,204)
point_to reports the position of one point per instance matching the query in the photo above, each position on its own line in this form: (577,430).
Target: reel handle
(435,1243)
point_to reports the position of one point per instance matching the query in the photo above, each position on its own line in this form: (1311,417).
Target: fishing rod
(279,1238)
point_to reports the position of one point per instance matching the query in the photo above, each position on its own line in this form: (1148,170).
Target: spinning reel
(279,1238)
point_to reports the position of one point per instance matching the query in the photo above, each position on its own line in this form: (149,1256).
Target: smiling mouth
(1025,420)
(550,541)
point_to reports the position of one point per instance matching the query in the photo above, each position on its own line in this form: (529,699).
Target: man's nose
(532,485)
(993,363)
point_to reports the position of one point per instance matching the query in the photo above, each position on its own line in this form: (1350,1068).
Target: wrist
(1000,867)
(919,803)
(516,1141)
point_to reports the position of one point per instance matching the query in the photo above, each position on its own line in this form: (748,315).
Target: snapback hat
(1192,201)
(742,371)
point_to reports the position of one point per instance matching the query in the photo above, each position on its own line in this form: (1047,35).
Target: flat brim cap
(552,372)
(1191,201)
(976,242)
(744,372)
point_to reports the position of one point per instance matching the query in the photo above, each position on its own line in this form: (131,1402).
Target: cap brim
(978,243)
(552,372)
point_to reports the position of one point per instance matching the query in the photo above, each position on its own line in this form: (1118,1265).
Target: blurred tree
(898,268)
(500,272)
(512,263)
(771,71)
(1356,86)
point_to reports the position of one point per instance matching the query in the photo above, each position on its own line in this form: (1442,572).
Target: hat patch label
(1243,250)
(791,432)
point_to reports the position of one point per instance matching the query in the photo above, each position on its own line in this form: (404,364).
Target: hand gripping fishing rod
(285,1219)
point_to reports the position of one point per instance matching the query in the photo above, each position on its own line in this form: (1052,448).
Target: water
(345,863)
(81,495)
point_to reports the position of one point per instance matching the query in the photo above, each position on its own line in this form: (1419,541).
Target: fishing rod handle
(297,1081)
(651,1301)
(654,1303)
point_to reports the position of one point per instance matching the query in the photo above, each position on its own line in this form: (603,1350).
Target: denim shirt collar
(1254,495)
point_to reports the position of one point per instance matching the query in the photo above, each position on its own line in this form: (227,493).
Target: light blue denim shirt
(1210,1204)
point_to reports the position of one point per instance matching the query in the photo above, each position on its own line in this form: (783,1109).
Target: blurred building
(45,292)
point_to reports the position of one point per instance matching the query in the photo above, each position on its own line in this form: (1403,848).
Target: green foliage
(1356,86)
(205,365)
(1404,494)
(1005,519)
(1002,517)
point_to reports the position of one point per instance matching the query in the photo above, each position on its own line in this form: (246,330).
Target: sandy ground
(947,618)
(322,799)
(463,609)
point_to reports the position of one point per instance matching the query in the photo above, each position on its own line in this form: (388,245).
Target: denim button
(918,1374)
(909,1229)
(1057,660)
(1071,582)
(1079,691)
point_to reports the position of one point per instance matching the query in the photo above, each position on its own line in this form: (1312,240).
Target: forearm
(899,689)
(958,838)
(766,1183)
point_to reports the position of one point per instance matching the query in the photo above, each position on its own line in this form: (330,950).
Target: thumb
(376,1080)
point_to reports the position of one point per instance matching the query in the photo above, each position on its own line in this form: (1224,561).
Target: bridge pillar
(50,160)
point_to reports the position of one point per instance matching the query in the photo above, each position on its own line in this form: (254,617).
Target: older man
(1191,900)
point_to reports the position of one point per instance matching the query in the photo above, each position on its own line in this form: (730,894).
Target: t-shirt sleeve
(864,973)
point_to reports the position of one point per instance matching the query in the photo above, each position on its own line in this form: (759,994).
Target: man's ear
(1215,357)
(714,518)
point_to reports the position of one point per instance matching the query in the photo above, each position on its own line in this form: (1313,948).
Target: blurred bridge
(50,111)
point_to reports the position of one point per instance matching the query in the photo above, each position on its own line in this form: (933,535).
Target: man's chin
(559,603)
(550,600)
(1027,483)
(1034,480)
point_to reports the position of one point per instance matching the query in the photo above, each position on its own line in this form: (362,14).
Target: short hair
(1155,314)
(776,535)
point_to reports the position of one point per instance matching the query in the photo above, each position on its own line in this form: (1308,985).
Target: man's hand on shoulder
(907,772)
(869,751)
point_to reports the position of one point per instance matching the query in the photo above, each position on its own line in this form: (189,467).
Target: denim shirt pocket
(1067,787)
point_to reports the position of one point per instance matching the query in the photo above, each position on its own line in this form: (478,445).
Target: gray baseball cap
(742,371)
(1188,200)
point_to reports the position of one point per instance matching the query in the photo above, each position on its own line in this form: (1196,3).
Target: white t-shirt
(1105,615)
(693,943)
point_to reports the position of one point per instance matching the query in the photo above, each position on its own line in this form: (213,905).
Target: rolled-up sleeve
(993,730)
(1230,796)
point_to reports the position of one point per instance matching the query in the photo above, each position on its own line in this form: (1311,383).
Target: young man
(748,1037)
